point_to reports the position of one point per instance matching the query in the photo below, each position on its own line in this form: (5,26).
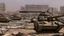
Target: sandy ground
(29,31)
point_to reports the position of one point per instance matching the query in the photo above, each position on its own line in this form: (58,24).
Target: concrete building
(53,10)
(2,7)
(36,7)
(62,9)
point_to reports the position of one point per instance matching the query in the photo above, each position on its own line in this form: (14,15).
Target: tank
(46,22)
(15,17)
(3,19)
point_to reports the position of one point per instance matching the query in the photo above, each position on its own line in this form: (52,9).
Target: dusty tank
(14,17)
(3,19)
(48,23)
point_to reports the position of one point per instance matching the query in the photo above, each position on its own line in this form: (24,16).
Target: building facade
(62,9)
(53,10)
(2,7)
(36,7)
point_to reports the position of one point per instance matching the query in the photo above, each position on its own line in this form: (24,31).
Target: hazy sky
(13,5)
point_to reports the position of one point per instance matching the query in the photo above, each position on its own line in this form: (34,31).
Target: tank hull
(4,20)
(15,18)
(41,28)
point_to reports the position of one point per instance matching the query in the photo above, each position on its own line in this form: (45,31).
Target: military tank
(3,19)
(14,17)
(46,22)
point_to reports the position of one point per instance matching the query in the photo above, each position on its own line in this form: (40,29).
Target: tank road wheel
(36,27)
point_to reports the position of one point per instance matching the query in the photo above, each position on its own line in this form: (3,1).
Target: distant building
(53,10)
(36,7)
(2,7)
(62,9)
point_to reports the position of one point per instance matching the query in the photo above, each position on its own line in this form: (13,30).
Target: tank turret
(15,17)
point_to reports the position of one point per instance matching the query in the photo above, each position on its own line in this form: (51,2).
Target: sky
(14,5)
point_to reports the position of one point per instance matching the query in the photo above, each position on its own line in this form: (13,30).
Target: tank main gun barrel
(57,16)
